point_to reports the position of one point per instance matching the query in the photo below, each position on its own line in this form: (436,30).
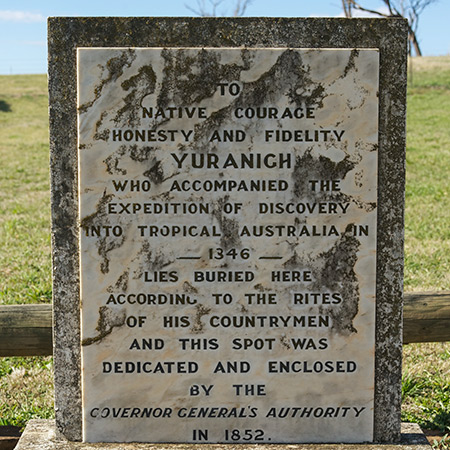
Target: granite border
(65,34)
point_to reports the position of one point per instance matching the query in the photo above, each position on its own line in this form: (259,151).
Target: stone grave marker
(227,199)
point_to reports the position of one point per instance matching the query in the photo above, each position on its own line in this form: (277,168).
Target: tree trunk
(415,43)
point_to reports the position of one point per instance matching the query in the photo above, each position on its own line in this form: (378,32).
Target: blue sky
(23,28)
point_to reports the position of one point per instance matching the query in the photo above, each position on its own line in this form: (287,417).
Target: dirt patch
(437,436)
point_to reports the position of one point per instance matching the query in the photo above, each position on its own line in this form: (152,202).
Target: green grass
(427,220)
(426,386)
(26,390)
(25,276)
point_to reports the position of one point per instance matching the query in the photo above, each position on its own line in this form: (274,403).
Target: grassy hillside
(427,223)
(24,190)
(426,367)
(25,276)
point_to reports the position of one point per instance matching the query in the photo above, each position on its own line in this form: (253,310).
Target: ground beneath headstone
(436,436)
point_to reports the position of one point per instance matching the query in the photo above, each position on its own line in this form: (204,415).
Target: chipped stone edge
(65,34)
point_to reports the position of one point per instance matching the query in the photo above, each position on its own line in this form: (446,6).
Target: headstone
(227,228)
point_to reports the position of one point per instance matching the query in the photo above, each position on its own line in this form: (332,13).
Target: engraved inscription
(228,212)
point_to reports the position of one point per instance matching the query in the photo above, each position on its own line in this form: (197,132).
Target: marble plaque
(228,213)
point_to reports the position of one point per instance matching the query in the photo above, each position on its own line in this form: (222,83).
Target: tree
(409,9)
(203,6)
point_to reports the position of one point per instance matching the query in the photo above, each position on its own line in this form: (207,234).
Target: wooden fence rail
(26,330)
(426,317)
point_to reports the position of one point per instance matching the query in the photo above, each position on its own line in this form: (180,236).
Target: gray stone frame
(388,35)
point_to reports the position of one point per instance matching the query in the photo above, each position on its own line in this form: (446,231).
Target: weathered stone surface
(165,120)
(41,435)
(387,36)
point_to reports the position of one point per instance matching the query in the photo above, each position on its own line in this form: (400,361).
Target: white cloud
(20,16)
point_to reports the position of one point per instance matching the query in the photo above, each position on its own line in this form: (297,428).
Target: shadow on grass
(4,106)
